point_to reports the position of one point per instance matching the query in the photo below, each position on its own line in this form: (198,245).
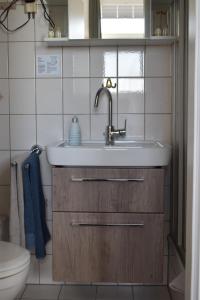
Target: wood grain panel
(108,254)
(144,196)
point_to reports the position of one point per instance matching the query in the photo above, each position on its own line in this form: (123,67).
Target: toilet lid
(12,257)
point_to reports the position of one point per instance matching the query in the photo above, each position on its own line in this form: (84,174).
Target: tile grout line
(63,112)
(90,96)
(86,114)
(36,110)
(21,297)
(145,50)
(96,293)
(61,287)
(87,77)
(117,79)
(133,296)
(35,51)
(8,74)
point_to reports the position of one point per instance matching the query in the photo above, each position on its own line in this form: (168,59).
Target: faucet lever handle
(125,125)
(123,131)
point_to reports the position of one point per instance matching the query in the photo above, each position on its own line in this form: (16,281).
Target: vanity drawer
(107,247)
(108,190)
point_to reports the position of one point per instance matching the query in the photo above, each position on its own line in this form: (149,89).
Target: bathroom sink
(123,153)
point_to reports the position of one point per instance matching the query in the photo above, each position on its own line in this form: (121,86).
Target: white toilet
(14,267)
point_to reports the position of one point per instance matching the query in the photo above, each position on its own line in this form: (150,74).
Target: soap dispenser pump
(75,133)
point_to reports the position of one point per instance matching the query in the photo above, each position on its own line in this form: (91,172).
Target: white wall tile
(103,62)
(41,292)
(84,122)
(95,84)
(3,60)
(158,61)
(4,132)
(23,131)
(5,200)
(76,62)
(131,61)
(16,18)
(158,95)
(48,198)
(135,125)
(49,96)
(131,95)
(3,34)
(98,126)
(4,167)
(22,96)
(4,96)
(45,169)
(41,25)
(76,96)
(33,276)
(21,153)
(42,49)
(49,129)
(158,127)
(22,60)
(46,271)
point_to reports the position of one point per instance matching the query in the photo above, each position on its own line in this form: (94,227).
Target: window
(122,19)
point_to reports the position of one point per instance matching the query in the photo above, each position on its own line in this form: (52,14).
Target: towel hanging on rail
(36,230)
(16,220)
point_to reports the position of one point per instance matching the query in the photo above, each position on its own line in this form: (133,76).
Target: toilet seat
(13,259)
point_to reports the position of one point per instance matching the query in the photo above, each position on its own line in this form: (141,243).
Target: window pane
(122,19)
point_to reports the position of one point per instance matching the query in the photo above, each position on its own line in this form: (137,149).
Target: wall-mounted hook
(109,84)
(36,149)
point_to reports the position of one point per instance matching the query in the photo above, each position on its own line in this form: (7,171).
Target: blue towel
(36,230)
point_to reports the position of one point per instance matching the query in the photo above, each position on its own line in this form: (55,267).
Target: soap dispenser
(75,133)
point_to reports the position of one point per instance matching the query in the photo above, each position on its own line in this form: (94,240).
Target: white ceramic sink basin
(123,153)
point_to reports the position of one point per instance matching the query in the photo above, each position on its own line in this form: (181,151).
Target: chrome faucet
(110,132)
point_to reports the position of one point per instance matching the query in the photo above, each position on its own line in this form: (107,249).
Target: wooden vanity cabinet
(108,225)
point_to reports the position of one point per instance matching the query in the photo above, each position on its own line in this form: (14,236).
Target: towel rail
(36,148)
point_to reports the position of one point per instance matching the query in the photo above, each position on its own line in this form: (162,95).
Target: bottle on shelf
(75,132)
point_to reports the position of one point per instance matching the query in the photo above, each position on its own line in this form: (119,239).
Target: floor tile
(19,296)
(78,293)
(114,293)
(151,293)
(41,292)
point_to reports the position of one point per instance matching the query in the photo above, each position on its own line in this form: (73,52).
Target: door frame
(192,288)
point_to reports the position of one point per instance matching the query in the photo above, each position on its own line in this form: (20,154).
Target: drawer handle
(106,225)
(74,179)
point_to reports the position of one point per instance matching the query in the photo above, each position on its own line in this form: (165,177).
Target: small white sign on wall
(49,65)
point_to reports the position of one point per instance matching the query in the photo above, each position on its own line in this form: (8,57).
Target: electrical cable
(46,15)
(4,16)
(5,13)
(7,10)
(13,30)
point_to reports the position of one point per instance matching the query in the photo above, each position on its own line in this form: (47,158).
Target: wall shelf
(65,42)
